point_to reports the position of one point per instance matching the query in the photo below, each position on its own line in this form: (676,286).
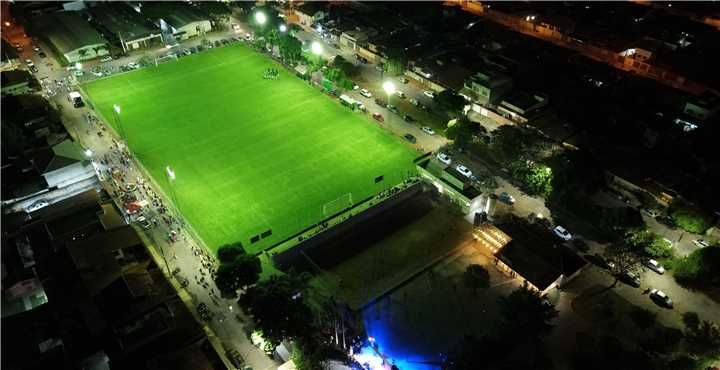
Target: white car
(133,65)
(562,233)
(428,130)
(29,62)
(361,107)
(366,93)
(38,204)
(444,158)
(655,266)
(429,94)
(78,73)
(36,48)
(400,94)
(463,170)
(702,243)
(106,59)
(661,298)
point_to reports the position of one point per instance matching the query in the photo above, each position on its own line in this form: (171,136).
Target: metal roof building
(69,35)
(124,27)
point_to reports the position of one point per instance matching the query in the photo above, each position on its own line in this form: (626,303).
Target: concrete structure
(353,40)
(308,14)
(70,37)
(486,87)
(703,106)
(448,182)
(64,164)
(520,106)
(175,19)
(124,27)
(16,82)
(536,256)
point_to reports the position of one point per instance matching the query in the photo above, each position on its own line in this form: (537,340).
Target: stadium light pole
(118,121)
(317,50)
(283,28)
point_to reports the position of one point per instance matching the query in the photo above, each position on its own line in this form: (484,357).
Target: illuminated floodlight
(389,87)
(170,172)
(88,152)
(78,66)
(316,48)
(283,28)
(260,18)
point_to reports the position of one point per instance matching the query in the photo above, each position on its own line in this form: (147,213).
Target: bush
(700,267)
(691,219)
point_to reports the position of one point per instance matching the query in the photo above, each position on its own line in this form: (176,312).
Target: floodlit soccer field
(250,154)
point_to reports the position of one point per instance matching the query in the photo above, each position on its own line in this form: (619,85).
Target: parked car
(655,266)
(393,109)
(403,80)
(78,73)
(629,278)
(144,222)
(361,107)
(29,62)
(428,130)
(667,221)
(236,359)
(33,69)
(661,298)
(562,233)
(648,212)
(366,93)
(506,198)
(38,204)
(378,117)
(35,48)
(106,59)
(410,138)
(379,68)
(429,94)
(463,170)
(414,102)
(42,54)
(702,243)
(400,94)
(379,101)
(617,195)
(444,158)
(408,118)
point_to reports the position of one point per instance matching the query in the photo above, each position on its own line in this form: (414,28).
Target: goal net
(337,205)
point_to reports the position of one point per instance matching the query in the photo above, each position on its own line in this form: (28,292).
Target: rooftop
(67,31)
(14,77)
(177,14)
(122,21)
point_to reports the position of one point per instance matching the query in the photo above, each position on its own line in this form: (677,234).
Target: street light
(88,152)
(260,18)
(389,88)
(316,48)
(283,28)
(78,66)
(171,180)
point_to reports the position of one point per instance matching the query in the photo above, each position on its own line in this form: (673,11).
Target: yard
(253,157)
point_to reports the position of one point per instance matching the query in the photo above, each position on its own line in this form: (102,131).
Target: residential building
(703,106)
(310,13)
(520,106)
(175,19)
(16,82)
(9,59)
(124,27)
(486,87)
(69,36)
(354,40)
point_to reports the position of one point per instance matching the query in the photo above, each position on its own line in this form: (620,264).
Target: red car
(378,117)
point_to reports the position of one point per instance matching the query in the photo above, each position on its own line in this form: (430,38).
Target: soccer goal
(337,205)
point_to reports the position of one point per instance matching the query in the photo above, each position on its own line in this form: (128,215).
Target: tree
(278,308)
(701,267)
(461,132)
(290,48)
(690,219)
(311,354)
(476,277)
(395,66)
(623,259)
(663,341)
(344,65)
(691,320)
(526,315)
(451,101)
(642,318)
(228,252)
(241,272)
(705,340)
(659,247)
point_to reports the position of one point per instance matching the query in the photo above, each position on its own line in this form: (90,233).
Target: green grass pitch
(250,154)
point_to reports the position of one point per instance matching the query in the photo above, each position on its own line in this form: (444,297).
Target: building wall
(86,53)
(70,174)
(16,89)
(193,29)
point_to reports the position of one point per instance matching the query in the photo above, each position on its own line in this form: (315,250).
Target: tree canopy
(525,314)
(476,277)
(450,101)
(278,308)
(690,218)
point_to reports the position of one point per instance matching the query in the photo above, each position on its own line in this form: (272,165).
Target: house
(64,164)
(520,106)
(124,27)
(175,19)
(530,253)
(9,59)
(16,82)
(69,36)
(452,184)
(310,13)
(354,40)
(486,87)
(703,106)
